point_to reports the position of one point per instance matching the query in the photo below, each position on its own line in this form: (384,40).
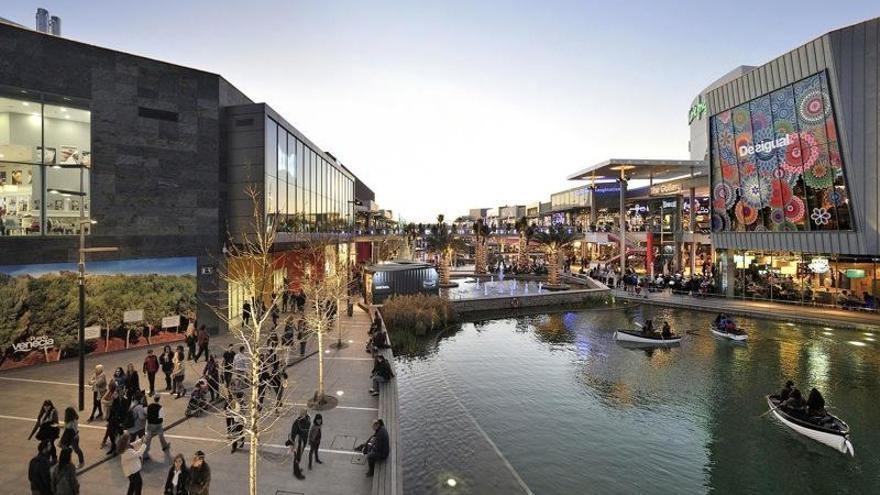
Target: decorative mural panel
(776,163)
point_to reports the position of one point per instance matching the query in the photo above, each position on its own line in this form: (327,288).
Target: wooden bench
(388,475)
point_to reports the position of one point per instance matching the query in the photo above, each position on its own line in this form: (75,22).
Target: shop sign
(93,332)
(382,287)
(133,316)
(855,273)
(666,189)
(669,204)
(171,321)
(698,111)
(765,146)
(36,342)
(819,265)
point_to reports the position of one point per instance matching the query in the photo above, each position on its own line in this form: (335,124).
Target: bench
(388,475)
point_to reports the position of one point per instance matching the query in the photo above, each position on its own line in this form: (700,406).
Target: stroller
(198,403)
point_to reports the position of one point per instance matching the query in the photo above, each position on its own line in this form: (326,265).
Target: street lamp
(82,223)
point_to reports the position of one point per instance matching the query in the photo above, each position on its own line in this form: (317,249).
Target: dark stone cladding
(157,186)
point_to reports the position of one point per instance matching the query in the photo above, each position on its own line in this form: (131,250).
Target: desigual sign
(765,147)
(37,342)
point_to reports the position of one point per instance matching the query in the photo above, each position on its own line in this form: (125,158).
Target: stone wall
(545,299)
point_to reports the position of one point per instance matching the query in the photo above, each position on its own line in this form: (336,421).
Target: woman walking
(166,362)
(70,437)
(315,439)
(46,429)
(98,382)
(132,382)
(132,461)
(178,477)
(178,373)
(64,480)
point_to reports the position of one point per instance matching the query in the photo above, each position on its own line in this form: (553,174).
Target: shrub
(419,314)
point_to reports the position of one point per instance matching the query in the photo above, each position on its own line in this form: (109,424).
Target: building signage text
(765,147)
(698,111)
(664,189)
(36,342)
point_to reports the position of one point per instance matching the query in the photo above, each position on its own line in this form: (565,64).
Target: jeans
(135,483)
(96,405)
(167,380)
(151,377)
(313,451)
(377,380)
(152,431)
(74,445)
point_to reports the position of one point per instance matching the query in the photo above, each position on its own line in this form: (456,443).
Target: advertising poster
(39,306)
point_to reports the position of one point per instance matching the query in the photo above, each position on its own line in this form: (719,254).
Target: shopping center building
(157,158)
(794,148)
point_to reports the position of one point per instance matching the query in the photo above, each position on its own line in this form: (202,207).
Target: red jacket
(151,364)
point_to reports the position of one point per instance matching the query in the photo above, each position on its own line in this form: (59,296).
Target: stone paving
(346,376)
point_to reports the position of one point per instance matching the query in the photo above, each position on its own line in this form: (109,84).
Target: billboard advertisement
(126,302)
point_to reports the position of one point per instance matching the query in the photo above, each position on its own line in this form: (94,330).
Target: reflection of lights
(569,319)
(790,324)
(870,339)
(857,343)
(828,333)
(828,328)
(869,334)
(819,365)
(340,393)
(451,482)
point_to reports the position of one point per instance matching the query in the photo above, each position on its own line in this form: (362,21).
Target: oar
(770,411)
(692,332)
(637,324)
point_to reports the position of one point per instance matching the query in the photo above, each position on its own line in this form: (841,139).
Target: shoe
(374,394)
(111,453)
(167,446)
(103,444)
(319,461)
(371,390)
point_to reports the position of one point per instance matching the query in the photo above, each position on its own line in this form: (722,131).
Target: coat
(64,480)
(182,482)
(38,475)
(199,480)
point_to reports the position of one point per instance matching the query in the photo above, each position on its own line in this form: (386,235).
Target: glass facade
(776,163)
(45,158)
(305,192)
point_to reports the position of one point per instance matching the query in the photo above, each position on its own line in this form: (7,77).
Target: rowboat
(833,432)
(639,338)
(739,337)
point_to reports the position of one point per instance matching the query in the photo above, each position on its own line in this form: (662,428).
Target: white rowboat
(834,435)
(739,337)
(637,337)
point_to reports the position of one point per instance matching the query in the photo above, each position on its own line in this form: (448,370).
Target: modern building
(794,153)
(161,157)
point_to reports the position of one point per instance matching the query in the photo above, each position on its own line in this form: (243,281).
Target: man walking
(202,338)
(228,358)
(151,367)
(155,417)
(299,437)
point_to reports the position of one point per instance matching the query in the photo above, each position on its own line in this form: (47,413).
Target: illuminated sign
(819,265)
(665,189)
(855,273)
(765,147)
(37,342)
(698,111)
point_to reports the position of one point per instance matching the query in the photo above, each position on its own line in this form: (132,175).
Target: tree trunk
(553,269)
(523,252)
(320,365)
(253,416)
(444,269)
(480,258)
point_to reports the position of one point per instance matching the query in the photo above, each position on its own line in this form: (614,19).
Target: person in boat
(785,393)
(667,331)
(648,329)
(816,404)
(795,404)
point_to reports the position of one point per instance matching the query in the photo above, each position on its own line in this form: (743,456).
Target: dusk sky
(446,106)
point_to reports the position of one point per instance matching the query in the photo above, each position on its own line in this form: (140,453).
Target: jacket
(166,361)
(199,480)
(64,480)
(151,364)
(300,428)
(182,482)
(38,475)
(99,384)
(315,435)
(381,445)
(383,369)
(132,458)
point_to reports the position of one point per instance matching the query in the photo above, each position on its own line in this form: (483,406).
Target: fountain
(540,285)
(485,289)
(526,288)
(501,271)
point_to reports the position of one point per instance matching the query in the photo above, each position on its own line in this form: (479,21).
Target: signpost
(171,321)
(133,316)
(92,333)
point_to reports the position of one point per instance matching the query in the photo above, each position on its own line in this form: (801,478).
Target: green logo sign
(698,111)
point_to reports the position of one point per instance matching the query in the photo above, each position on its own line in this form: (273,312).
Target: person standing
(212,376)
(299,436)
(46,429)
(64,480)
(155,418)
(301,336)
(378,446)
(115,416)
(202,338)
(132,461)
(199,475)
(151,367)
(166,362)
(246,313)
(70,437)
(315,439)
(234,427)
(39,474)
(136,420)
(228,358)
(177,373)
(98,382)
(132,382)
(190,338)
(240,366)
(178,477)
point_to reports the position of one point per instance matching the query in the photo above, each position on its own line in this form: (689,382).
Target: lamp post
(82,223)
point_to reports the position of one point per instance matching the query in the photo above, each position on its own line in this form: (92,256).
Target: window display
(777,165)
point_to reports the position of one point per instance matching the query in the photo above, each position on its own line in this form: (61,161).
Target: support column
(729,275)
(676,226)
(594,210)
(692,225)
(622,217)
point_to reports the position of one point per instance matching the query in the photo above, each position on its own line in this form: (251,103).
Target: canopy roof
(657,170)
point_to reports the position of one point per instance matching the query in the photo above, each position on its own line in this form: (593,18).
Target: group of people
(378,339)
(791,400)
(725,323)
(648,330)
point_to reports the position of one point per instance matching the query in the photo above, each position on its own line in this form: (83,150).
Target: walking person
(115,416)
(178,373)
(64,480)
(155,418)
(132,453)
(246,313)
(119,380)
(202,338)
(301,336)
(166,362)
(136,419)
(228,358)
(98,382)
(315,439)
(212,376)
(46,429)
(132,382)
(234,426)
(299,437)
(190,339)
(70,437)
(199,475)
(39,471)
(178,477)
(151,367)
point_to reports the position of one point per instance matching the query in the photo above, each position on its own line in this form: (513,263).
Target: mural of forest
(40,302)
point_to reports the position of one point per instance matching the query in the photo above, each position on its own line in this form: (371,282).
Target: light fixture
(67,117)
(451,482)
(340,393)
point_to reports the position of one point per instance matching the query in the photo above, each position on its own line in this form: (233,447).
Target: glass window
(271,146)
(282,175)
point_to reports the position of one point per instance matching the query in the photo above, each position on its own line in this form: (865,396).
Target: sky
(160,266)
(440,107)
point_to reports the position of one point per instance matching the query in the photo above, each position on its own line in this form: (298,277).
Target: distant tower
(55,25)
(42,20)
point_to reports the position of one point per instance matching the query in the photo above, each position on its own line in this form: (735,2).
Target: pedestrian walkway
(347,377)
(761,309)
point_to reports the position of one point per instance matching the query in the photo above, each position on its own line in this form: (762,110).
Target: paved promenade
(762,309)
(343,472)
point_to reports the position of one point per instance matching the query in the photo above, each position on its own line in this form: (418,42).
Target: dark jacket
(166,361)
(182,482)
(39,476)
(199,480)
(381,444)
(383,369)
(64,480)
(132,381)
(300,428)
(153,414)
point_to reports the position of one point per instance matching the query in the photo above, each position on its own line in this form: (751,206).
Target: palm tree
(481,238)
(443,241)
(526,233)
(411,233)
(554,240)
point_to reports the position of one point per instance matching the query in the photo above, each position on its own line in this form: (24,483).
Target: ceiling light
(25,103)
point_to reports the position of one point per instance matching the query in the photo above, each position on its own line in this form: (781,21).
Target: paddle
(770,411)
